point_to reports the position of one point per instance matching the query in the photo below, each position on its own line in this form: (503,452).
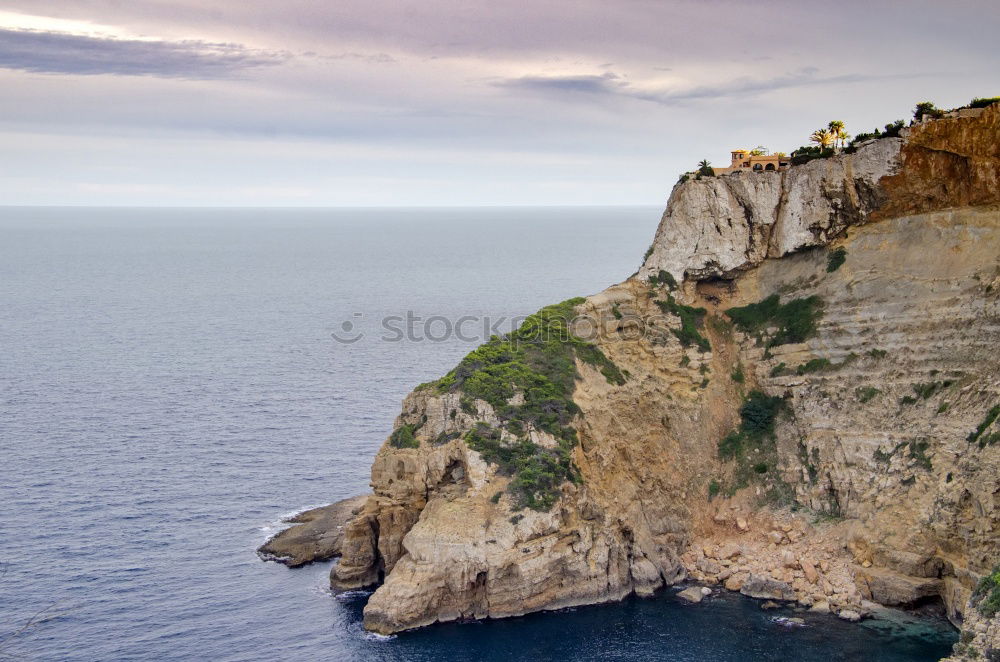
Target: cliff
(792,397)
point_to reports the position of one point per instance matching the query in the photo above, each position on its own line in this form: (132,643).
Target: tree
(822,137)
(842,137)
(836,127)
(780,155)
(705,167)
(759,150)
(926,109)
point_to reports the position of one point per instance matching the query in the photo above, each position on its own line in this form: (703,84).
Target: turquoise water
(170,388)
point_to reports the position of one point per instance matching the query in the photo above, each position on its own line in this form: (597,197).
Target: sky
(450,102)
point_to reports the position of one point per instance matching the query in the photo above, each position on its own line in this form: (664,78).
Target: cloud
(64,53)
(610,84)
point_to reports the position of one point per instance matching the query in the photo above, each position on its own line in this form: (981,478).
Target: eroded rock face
(720,226)
(874,440)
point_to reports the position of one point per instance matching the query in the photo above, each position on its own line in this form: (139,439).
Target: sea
(175,382)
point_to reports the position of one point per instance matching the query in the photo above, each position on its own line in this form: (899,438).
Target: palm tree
(843,137)
(836,127)
(822,137)
(705,167)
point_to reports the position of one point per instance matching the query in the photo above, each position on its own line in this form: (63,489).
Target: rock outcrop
(851,388)
(317,534)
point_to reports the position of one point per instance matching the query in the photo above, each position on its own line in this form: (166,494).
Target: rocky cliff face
(810,363)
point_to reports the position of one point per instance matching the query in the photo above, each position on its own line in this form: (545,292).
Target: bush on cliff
(977,435)
(835,259)
(983,102)
(794,321)
(692,320)
(987,594)
(752,445)
(538,363)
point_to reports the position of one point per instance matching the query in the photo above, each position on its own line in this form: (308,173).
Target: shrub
(986,597)
(713,489)
(795,321)
(814,365)
(907,400)
(738,375)
(692,319)
(778,370)
(404,437)
(760,468)
(836,259)
(877,353)
(445,437)
(982,102)
(649,251)
(663,277)
(918,452)
(496,497)
(925,391)
(926,108)
(805,154)
(616,312)
(866,393)
(991,416)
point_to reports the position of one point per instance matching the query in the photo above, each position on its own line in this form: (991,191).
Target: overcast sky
(450,102)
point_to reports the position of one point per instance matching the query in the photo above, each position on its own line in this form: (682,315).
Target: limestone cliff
(792,397)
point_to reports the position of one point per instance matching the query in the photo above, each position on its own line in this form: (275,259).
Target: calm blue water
(169,388)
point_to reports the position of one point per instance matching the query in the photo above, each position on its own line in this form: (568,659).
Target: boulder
(692,594)
(765,588)
(849,615)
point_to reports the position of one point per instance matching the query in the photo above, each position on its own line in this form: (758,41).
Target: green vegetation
(866,393)
(738,375)
(752,445)
(986,597)
(778,370)
(907,400)
(928,109)
(918,452)
(713,489)
(663,278)
(805,154)
(982,102)
(835,259)
(795,321)
(445,437)
(536,361)
(987,440)
(616,312)
(891,131)
(705,168)
(814,365)
(649,251)
(496,497)
(925,391)
(878,353)
(405,436)
(692,319)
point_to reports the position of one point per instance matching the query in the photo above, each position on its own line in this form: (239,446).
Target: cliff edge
(795,396)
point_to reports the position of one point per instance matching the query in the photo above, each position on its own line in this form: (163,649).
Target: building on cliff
(743,159)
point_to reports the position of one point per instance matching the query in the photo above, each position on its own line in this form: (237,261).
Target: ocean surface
(171,386)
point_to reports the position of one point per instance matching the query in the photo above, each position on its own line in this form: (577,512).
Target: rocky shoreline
(316,535)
